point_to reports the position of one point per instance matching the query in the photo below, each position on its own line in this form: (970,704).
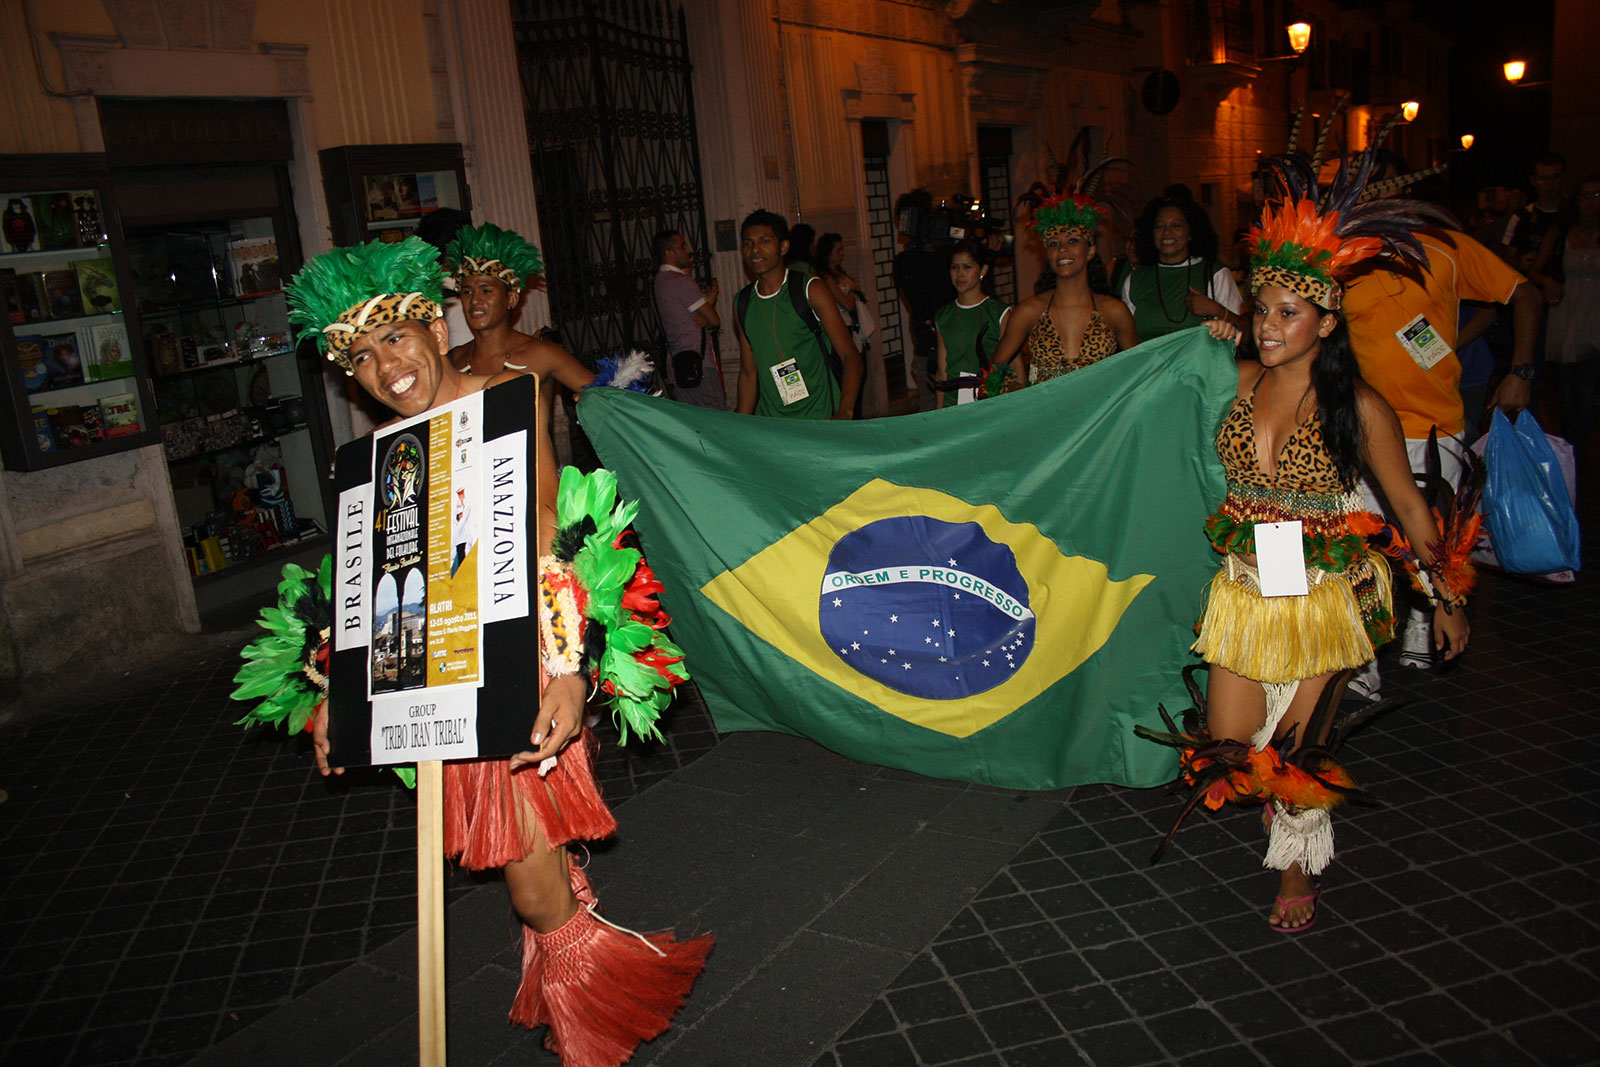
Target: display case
(245,461)
(385,191)
(74,372)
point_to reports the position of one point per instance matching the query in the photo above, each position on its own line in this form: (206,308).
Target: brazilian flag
(995,592)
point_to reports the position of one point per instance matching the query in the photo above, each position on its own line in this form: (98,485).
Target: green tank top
(970,335)
(777,335)
(1160,297)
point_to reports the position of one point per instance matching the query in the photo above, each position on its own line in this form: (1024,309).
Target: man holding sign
(376,311)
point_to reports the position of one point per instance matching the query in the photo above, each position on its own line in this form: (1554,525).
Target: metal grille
(997,206)
(880,215)
(611,133)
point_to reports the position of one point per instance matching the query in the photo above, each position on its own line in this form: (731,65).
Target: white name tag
(791,384)
(1422,342)
(1281,559)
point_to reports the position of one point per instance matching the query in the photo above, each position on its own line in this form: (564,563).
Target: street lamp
(1409,109)
(1466,141)
(1299,36)
(1515,69)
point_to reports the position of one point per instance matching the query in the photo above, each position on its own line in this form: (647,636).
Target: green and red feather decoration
(287,668)
(632,660)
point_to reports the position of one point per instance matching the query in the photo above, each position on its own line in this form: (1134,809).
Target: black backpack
(797,283)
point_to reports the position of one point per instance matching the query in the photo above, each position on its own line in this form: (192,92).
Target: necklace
(1161,293)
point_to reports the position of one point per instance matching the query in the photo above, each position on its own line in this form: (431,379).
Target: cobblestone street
(172,890)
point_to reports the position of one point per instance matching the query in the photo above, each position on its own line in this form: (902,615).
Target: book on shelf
(393,235)
(86,214)
(119,415)
(58,226)
(106,354)
(63,359)
(43,435)
(30,357)
(254,261)
(405,195)
(30,296)
(12,297)
(97,281)
(381,202)
(75,425)
(165,350)
(62,297)
(427,193)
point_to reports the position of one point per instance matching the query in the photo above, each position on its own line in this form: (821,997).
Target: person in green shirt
(969,327)
(1179,282)
(784,336)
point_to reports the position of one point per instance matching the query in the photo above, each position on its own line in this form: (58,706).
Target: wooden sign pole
(430,915)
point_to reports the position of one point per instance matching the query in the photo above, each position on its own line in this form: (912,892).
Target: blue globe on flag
(930,608)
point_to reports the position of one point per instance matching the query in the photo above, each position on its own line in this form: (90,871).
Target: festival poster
(426,484)
(432,628)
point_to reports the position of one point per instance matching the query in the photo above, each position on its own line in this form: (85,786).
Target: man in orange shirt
(1404,333)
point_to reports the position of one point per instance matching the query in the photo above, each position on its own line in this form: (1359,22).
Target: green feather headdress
(1067,211)
(347,292)
(487,249)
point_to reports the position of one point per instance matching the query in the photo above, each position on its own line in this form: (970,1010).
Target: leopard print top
(1049,355)
(1304,465)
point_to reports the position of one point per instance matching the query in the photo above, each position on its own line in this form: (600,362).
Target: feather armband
(288,666)
(623,648)
(561,603)
(1445,582)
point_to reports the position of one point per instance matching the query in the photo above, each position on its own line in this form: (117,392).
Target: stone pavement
(173,891)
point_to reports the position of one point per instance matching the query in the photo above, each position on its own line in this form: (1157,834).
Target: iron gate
(611,132)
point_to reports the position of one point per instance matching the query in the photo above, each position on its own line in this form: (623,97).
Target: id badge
(791,383)
(1281,559)
(1422,342)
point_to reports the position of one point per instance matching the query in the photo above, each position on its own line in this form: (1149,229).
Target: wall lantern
(1299,36)
(1466,141)
(1515,69)
(1409,109)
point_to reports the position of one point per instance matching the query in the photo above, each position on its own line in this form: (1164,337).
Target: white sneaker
(1364,685)
(1416,644)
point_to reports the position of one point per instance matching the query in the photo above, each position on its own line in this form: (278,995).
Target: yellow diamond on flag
(939,612)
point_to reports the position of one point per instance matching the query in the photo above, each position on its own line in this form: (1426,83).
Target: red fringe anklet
(603,990)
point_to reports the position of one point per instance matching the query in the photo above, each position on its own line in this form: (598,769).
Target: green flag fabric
(996,592)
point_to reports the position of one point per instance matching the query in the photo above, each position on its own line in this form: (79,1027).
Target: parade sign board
(434,647)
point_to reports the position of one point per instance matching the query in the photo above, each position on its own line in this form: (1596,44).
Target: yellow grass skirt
(1284,638)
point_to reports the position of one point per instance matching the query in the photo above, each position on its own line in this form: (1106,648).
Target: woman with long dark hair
(1179,281)
(968,327)
(1302,599)
(1076,322)
(828,263)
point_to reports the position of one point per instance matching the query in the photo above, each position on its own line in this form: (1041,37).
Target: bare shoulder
(1250,373)
(461,356)
(1372,408)
(1029,308)
(1115,312)
(538,355)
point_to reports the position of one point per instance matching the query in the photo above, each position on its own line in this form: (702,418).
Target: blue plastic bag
(1532,527)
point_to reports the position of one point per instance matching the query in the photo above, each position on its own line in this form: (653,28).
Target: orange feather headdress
(1309,240)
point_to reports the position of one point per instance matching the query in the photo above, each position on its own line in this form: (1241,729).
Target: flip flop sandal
(1285,905)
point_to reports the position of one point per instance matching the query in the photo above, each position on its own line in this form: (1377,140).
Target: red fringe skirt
(493,816)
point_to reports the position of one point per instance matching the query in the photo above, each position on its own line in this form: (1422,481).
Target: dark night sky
(1512,125)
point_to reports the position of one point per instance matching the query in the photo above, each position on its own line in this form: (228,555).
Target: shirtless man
(377,311)
(492,268)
